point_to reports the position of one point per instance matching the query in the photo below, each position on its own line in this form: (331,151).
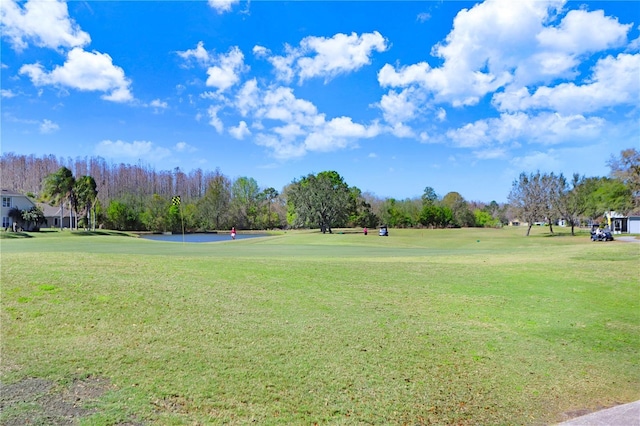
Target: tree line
(136,197)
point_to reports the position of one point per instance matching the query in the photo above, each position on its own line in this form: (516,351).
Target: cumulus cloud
(47,24)
(291,127)
(131,151)
(214,120)
(222,6)
(227,70)
(544,129)
(529,57)
(261,51)
(398,108)
(43,23)
(85,71)
(325,57)
(240,131)
(247,98)
(199,55)
(499,43)
(614,81)
(576,35)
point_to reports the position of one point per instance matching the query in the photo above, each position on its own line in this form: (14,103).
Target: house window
(5,222)
(6,201)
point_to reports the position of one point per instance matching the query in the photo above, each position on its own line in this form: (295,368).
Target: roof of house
(13,193)
(52,211)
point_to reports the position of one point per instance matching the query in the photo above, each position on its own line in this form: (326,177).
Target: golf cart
(601,235)
(384,232)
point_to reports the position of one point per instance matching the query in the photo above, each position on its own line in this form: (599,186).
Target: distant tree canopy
(528,198)
(136,197)
(626,169)
(321,200)
(546,197)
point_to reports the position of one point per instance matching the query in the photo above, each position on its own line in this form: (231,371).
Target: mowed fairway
(421,327)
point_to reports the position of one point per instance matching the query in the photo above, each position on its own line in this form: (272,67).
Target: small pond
(198,238)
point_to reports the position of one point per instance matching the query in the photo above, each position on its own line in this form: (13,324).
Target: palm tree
(86,194)
(58,187)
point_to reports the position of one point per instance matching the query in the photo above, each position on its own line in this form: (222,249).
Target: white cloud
(158,105)
(471,135)
(491,154)
(406,76)
(281,148)
(501,42)
(634,45)
(48,126)
(530,56)
(576,33)
(222,6)
(544,129)
(134,150)
(184,147)
(227,70)
(290,127)
(240,131)
(215,96)
(199,55)
(247,97)
(214,120)
(344,127)
(536,160)
(281,104)
(261,51)
(398,108)
(325,57)
(423,17)
(43,23)
(339,54)
(86,71)
(7,93)
(614,82)
(284,65)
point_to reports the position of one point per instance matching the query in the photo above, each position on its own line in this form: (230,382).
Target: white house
(621,224)
(10,200)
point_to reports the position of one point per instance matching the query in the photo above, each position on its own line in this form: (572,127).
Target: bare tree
(528,198)
(571,199)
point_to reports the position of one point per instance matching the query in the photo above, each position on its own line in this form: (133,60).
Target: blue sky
(394,96)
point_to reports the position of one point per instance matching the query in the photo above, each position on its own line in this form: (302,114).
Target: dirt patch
(41,402)
(569,415)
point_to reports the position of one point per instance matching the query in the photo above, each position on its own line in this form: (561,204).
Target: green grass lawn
(461,326)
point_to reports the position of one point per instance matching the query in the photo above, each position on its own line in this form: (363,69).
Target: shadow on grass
(578,233)
(102,232)
(13,235)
